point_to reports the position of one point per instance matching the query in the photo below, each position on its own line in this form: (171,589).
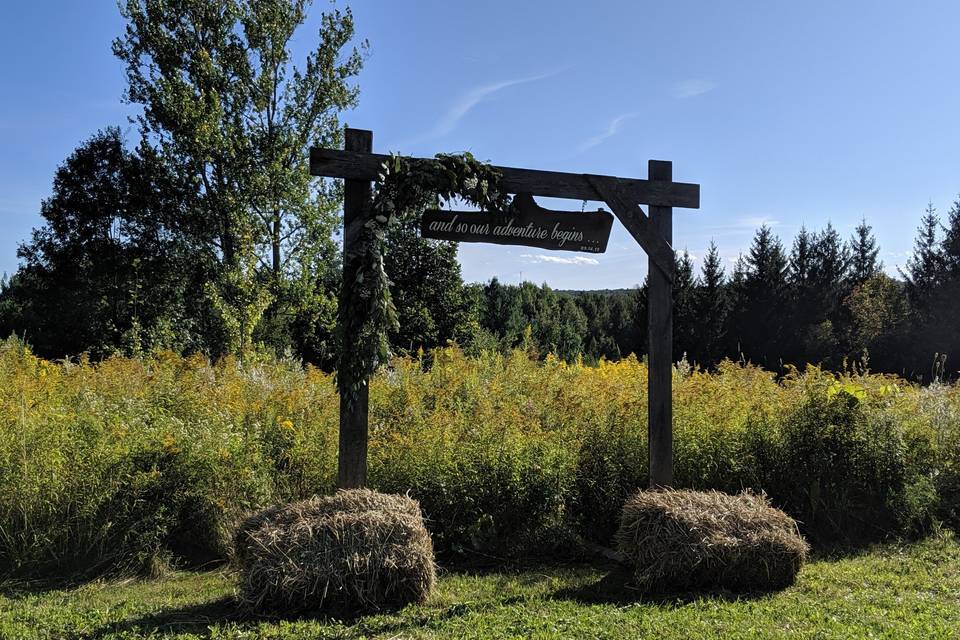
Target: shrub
(354,552)
(679,540)
(843,469)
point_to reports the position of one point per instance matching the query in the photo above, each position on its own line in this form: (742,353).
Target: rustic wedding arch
(358,166)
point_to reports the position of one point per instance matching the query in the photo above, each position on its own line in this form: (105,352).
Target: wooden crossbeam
(636,222)
(334,163)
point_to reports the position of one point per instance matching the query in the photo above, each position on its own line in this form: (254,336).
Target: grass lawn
(892,591)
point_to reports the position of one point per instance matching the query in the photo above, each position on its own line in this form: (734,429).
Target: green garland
(406,187)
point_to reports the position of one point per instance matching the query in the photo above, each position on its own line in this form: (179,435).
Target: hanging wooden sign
(526,224)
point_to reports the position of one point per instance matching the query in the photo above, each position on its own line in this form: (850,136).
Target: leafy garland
(406,186)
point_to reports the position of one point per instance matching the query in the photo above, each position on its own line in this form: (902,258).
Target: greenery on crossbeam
(405,188)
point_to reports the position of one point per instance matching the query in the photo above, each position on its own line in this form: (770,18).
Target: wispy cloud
(612,129)
(466,102)
(755,222)
(541,258)
(691,88)
(745,224)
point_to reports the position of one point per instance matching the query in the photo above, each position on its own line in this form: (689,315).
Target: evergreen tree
(760,289)
(863,252)
(950,245)
(802,304)
(925,267)
(684,309)
(830,264)
(623,325)
(801,260)
(828,279)
(711,309)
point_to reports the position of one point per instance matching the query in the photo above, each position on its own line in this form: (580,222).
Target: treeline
(112,271)
(210,235)
(825,300)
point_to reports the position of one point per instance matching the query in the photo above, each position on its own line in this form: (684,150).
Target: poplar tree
(225,107)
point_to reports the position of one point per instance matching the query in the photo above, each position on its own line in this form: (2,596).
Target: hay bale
(345,500)
(679,540)
(353,552)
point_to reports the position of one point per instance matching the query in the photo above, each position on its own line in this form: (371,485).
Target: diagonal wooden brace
(636,222)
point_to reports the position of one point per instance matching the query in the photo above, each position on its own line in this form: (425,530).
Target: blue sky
(786,113)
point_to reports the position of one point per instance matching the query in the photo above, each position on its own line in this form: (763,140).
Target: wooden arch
(359,166)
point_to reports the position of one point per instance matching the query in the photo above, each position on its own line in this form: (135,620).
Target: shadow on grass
(197,619)
(616,588)
(14,587)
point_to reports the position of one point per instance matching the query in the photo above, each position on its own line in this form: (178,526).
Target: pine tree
(761,299)
(831,262)
(802,302)
(951,241)
(711,307)
(684,312)
(801,259)
(925,267)
(863,252)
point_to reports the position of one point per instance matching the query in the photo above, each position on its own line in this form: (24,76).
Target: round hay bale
(677,540)
(350,553)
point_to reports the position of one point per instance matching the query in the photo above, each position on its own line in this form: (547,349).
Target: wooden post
(660,339)
(352,460)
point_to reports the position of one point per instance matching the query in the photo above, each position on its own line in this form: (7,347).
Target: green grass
(892,591)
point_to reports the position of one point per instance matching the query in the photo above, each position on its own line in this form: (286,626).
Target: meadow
(139,465)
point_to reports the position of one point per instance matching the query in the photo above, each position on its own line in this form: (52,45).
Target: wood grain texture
(352,454)
(356,165)
(660,341)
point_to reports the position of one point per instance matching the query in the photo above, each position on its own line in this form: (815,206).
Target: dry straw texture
(680,539)
(353,552)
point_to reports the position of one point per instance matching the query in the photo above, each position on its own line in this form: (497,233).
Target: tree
(803,302)
(684,311)
(801,260)
(925,267)
(878,315)
(863,252)
(106,273)
(711,309)
(226,109)
(502,314)
(828,278)
(427,289)
(829,267)
(759,286)
(602,325)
